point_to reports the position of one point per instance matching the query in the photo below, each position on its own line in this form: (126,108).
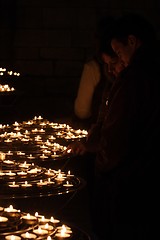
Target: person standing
(127,144)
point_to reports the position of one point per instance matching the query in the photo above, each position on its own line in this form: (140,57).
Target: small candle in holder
(22,173)
(43,220)
(10,173)
(14,185)
(29,219)
(24,165)
(53,220)
(3,221)
(31,156)
(28,235)
(8,162)
(67,184)
(1,209)
(62,234)
(47,227)
(40,231)
(12,237)
(64,228)
(26,184)
(10,209)
(41,183)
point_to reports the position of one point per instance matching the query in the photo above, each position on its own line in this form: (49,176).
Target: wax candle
(29,218)
(43,220)
(9,153)
(14,185)
(40,231)
(26,184)
(22,173)
(31,157)
(47,227)
(8,162)
(3,221)
(24,165)
(67,184)
(10,173)
(62,234)
(53,220)
(41,183)
(64,228)
(28,235)
(10,209)
(1,209)
(43,156)
(12,237)
(2,174)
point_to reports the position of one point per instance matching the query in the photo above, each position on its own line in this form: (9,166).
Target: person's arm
(89,80)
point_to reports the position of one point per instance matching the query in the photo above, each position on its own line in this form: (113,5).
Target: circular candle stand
(24,225)
(36,187)
(38,141)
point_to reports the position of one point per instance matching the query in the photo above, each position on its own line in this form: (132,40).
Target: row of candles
(35,225)
(15,172)
(4,71)
(41,136)
(25,169)
(6,88)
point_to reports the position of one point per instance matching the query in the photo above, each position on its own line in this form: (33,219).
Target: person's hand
(77,148)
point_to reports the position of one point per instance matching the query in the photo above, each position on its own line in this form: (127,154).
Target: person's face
(114,64)
(124,51)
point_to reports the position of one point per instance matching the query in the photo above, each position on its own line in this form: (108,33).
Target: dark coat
(131,127)
(127,182)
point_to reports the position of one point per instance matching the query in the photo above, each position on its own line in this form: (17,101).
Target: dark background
(47,42)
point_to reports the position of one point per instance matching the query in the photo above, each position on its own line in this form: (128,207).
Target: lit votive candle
(20,153)
(8,162)
(69,174)
(34,170)
(43,220)
(10,211)
(24,165)
(67,184)
(40,231)
(50,172)
(62,234)
(14,185)
(31,157)
(3,221)
(28,235)
(53,220)
(26,184)
(1,209)
(29,219)
(22,173)
(2,174)
(43,156)
(12,237)
(47,227)
(41,183)
(10,173)
(60,177)
(9,153)
(64,228)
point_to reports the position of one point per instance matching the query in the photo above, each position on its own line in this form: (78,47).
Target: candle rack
(24,180)
(37,140)
(24,225)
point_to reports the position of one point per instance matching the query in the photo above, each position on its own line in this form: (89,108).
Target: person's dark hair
(103,34)
(133,24)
